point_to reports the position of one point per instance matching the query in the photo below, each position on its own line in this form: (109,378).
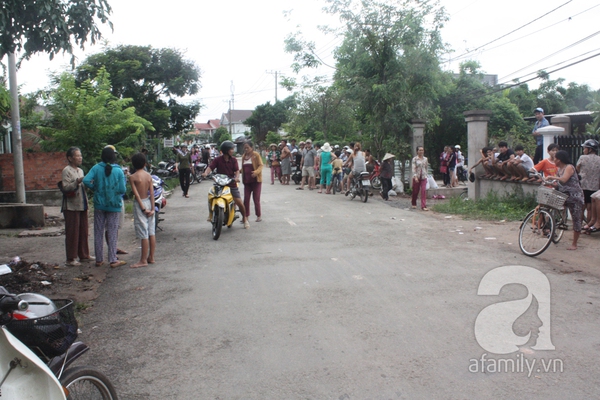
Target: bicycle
(544,224)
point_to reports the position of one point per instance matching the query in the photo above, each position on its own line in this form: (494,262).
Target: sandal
(592,229)
(117,264)
(99,264)
(246,225)
(119,251)
(300,188)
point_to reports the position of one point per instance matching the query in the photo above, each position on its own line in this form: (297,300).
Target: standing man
(539,138)
(183,165)
(308,166)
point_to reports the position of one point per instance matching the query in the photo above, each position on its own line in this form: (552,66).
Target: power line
(511,32)
(553,54)
(568,19)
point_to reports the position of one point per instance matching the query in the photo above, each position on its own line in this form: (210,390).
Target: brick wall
(42,170)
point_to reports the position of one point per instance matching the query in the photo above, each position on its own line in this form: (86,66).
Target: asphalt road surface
(328,298)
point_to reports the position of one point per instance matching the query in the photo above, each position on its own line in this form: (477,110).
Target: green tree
(323,109)
(387,64)
(268,117)
(50,26)
(221,135)
(89,116)
(155,79)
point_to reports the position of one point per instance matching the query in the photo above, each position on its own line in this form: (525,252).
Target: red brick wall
(42,170)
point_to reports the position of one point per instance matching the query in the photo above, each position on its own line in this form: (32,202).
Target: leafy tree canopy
(269,117)
(387,64)
(154,79)
(89,116)
(50,26)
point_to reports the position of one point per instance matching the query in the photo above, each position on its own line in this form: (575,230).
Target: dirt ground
(41,267)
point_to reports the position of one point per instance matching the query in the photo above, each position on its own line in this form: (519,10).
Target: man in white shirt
(520,165)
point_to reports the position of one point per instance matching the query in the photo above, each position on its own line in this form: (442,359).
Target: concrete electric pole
(17,145)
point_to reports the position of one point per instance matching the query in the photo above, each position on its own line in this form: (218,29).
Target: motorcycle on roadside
(37,348)
(221,206)
(160,201)
(360,186)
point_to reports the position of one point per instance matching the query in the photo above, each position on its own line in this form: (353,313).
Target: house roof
(237,116)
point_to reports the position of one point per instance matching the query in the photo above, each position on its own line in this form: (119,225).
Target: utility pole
(276,82)
(17,146)
(229,118)
(232,89)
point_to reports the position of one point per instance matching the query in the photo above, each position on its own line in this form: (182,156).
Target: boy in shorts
(143,210)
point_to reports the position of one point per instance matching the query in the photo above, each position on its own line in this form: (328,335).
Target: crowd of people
(581,181)
(107,180)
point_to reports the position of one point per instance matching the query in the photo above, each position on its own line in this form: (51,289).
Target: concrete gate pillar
(548,132)
(477,138)
(418,134)
(562,121)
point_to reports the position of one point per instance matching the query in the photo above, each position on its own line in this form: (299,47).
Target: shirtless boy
(143,210)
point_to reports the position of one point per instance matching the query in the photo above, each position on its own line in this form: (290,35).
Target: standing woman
(419,178)
(286,163)
(273,159)
(75,210)
(325,159)
(385,174)
(252,166)
(444,166)
(107,181)
(568,182)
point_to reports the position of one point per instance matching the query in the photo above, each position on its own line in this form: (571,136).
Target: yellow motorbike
(221,206)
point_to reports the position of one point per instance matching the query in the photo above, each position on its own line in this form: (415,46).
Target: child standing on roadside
(143,210)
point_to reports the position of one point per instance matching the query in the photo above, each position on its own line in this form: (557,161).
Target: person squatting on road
(252,166)
(385,175)
(419,178)
(143,210)
(107,180)
(75,210)
(183,163)
(227,164)
(568,182)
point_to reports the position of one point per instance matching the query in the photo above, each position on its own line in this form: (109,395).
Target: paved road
(330,299)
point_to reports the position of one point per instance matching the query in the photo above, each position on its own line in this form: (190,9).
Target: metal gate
(572,144)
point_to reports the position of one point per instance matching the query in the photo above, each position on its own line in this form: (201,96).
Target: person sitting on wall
(520,165)
(500,163)
(486,161)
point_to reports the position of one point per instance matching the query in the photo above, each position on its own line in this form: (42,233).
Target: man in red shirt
(227,164)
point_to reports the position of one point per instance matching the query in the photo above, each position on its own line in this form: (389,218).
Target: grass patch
(512,207)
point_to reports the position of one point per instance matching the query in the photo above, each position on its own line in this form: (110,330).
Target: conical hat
(388,156)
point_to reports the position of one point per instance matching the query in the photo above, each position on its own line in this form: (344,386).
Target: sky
(239,45)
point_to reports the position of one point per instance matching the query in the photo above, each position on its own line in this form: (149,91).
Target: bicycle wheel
(334,185)
(561,224)
(87,383)
(536,232)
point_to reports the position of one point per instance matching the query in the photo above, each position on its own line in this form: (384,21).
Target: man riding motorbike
(227,164)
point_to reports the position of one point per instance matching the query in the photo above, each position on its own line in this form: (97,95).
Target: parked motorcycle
(297,175)
(221,206)
(197,172)
(37,347)
(374,176)
(166,169)
(160,201)
(360,186)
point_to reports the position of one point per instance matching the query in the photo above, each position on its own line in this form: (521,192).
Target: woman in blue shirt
(107,181)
